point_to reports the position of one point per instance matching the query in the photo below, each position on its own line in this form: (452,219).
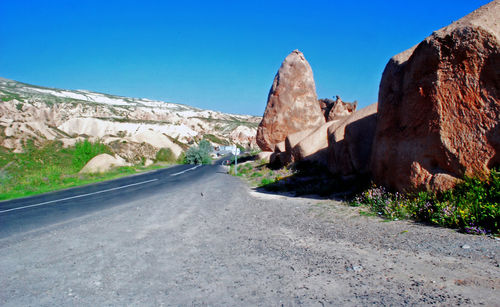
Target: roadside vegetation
(199,154)
(304,178)
(84,151)
(51,167)
(165,155)
(471,207)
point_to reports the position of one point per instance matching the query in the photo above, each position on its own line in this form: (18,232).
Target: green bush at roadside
(199,154)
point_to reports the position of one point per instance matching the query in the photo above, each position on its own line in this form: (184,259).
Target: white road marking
(192,168)
(78,196)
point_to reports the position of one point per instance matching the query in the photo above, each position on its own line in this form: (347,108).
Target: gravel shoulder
(216,242)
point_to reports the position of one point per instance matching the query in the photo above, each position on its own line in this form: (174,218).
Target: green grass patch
(52,167)
(84,151)
(8,96)
(215,139)
(266,181)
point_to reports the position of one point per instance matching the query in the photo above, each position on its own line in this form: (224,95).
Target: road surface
(25,214)
(197,236)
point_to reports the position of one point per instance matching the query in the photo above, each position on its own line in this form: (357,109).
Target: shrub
(182,158)
(472,206)
(165,155)
(86,150)
(199,154)
(205,147)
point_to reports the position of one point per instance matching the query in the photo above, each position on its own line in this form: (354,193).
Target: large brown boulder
(283,151)
(350,142)
(439,107)
(280,147)
(336,109)
(264,155)
(294,138)
(341,109)
(314,146)
(292,103)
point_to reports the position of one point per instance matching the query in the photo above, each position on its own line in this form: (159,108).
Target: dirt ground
(212,241)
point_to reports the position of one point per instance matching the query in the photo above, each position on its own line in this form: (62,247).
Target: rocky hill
(133,127)
(437,118)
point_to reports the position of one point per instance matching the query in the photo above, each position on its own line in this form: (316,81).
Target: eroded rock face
(31,112)
(293,139)
(264,155)
(336,109)
(350,142)
(341,109)
(280,147)
(314,146)
(439,107)
(292,103)
(243,135)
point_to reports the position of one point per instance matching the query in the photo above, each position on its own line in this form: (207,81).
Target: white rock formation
(103,163)
(31,112)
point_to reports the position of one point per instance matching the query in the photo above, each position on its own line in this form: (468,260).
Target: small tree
(199,154)
(205,147)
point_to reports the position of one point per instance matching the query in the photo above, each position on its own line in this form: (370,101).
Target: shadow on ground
(308,179)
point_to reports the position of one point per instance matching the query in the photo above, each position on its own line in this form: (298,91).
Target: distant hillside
(40,113)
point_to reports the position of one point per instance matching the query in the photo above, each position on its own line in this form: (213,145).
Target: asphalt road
(198,237)
(31,213)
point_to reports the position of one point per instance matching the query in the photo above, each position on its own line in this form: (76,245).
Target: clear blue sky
(219,55)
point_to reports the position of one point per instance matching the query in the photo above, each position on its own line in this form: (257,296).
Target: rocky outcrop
(295,138)
(279,159)
(280,147)
(157,140)
(313,147)
(133,152)
(264,155)
(439,107)
(44,114)
(103,163)
(244,136)
(326,105)
(292,103)
(336,109)
(350,142)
